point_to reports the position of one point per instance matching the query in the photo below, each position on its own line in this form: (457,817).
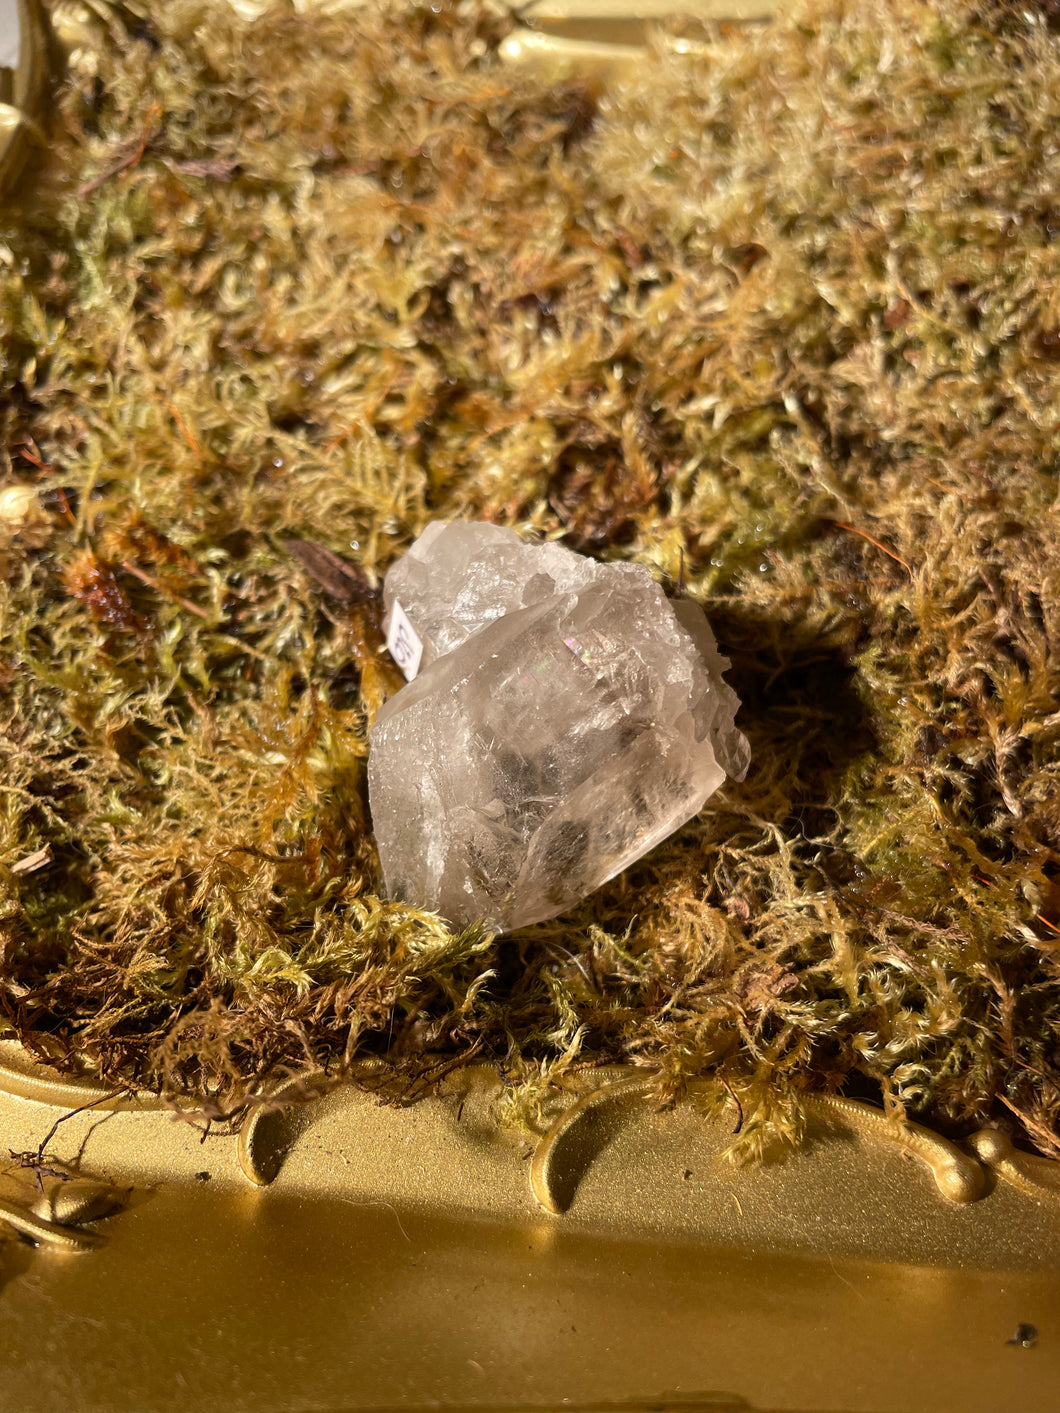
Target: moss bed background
(785,309)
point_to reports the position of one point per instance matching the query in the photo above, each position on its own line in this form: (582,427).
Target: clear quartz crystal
(566,718)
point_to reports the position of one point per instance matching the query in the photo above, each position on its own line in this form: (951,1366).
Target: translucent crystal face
(567,717)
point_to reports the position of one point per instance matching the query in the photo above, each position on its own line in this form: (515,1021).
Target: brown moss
(776,314)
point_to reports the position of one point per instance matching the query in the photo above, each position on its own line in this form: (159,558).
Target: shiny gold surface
(1036,1177)
(52,1204)
(391,1256)
(606,36)
(22,94)
(958,1176)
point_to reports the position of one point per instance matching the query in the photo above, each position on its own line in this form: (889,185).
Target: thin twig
(32,862)
(36,1162)
(878,543)
(174,412)
(127,160)
(160,588)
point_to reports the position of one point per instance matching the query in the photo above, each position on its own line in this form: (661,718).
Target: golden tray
(356,1253)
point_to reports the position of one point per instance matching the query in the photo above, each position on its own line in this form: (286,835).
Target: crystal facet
(566,718)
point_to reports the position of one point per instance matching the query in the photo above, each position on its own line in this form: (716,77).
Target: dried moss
(783,309)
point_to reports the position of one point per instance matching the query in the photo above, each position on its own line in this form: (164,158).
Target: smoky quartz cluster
(564,717)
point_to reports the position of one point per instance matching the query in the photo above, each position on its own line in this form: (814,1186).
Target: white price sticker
(403,642)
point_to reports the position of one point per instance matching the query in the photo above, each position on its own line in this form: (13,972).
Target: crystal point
(567,717)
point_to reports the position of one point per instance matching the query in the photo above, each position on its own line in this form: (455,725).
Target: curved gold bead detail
(543,1163)
(250,1163)
(80,1200)
(23,1077)
(45,1232)
(1033,1176)
(957,1176)
(270,1126)
(274,1121)
(28,79)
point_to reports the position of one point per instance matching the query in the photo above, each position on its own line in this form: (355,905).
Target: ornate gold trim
(958,1177)
(1035,1177)
(20,118)
(44,1232)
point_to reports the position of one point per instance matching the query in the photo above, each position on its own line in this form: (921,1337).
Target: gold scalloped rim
(20,119)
